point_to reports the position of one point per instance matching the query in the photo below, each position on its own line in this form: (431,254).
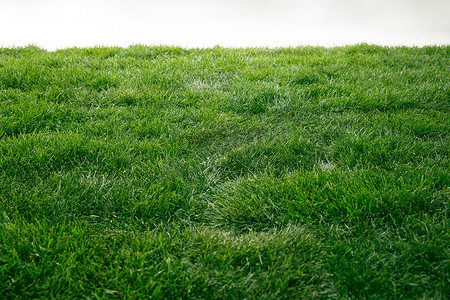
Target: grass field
(162,172)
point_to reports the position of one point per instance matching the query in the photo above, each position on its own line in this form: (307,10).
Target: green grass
(162,172)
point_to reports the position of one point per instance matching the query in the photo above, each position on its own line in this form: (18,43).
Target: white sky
(54,24)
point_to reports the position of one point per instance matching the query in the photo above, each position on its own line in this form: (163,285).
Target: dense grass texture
(162,172)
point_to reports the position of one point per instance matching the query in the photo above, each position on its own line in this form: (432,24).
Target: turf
(163,172)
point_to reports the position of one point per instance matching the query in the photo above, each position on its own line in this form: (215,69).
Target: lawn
(163,172)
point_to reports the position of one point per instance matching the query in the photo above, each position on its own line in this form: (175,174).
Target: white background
(54,24)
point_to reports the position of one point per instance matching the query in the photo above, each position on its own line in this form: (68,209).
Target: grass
(162,172)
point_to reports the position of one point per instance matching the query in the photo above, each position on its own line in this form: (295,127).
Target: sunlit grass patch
(224,173)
